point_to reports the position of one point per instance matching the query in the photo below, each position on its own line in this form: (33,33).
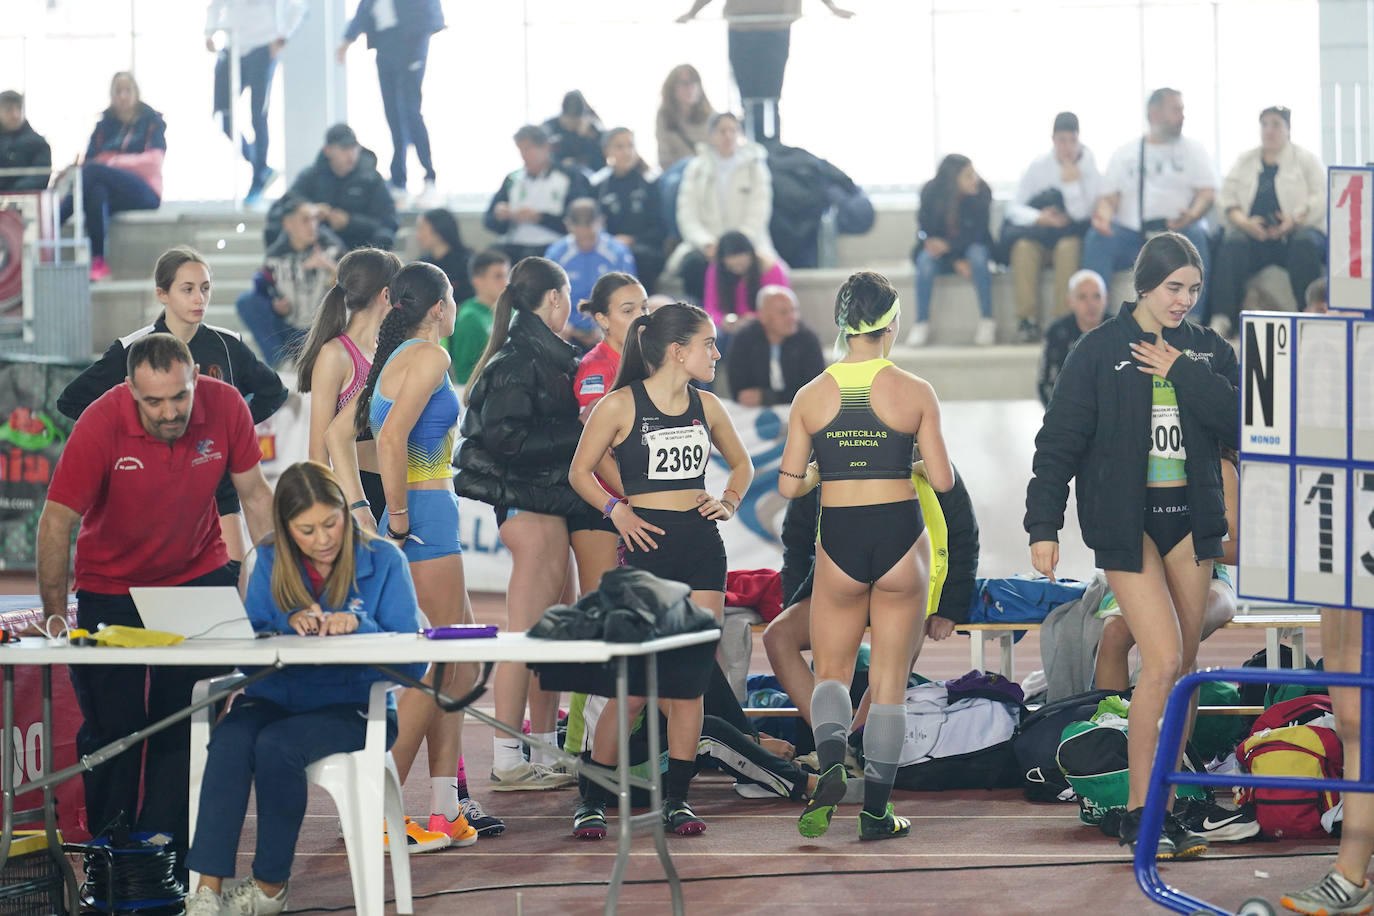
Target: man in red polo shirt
(138,474)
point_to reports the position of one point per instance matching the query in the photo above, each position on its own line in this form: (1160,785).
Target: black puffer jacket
(521,426)
(1097,430)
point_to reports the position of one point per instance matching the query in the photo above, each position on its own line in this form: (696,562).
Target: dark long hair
(363,273)
(1161,256)
(301,486)
(414,290)
(940,196)
(733,243)
(446,227)
(649,337)
(530,280)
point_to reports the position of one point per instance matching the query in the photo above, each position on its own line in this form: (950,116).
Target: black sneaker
(589,821)
(1186,843)
(1027,331)
(1217,824)
(1130,829)
(888,827)
(679,817)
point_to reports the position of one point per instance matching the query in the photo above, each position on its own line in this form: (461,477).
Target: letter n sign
(1267,384)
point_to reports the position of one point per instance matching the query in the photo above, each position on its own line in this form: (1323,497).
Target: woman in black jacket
(519,435)
(954,237)
(1152,507)
(630,203)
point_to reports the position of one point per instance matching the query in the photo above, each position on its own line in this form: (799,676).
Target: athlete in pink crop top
(361,367)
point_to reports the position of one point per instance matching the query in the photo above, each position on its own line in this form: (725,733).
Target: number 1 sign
(1349,218)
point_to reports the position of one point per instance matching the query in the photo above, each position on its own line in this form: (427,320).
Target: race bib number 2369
(678,453)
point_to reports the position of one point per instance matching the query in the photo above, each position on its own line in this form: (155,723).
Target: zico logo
(27,431)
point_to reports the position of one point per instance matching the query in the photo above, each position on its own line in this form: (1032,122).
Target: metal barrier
(1163,775)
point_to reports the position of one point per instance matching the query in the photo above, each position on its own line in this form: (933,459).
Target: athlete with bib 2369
(661,430)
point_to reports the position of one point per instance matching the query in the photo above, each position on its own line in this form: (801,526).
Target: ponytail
(530,280)
(414,291)
(649,337)
(363,274)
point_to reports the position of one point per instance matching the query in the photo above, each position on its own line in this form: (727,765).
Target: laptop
(195,612)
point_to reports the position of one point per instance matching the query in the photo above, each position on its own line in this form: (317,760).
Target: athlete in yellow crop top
(860,419)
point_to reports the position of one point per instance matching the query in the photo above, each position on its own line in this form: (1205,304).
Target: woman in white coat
(726,186)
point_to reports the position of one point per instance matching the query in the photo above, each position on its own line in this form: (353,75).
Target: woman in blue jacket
(333,578)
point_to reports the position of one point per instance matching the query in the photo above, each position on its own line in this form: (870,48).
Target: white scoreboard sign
(1349,219)
(1307,459)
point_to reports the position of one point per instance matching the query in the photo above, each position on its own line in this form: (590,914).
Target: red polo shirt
(148,509)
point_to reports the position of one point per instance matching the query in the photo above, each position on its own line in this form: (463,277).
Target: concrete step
(1004,372)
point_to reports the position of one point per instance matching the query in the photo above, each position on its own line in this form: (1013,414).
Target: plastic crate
(31,883)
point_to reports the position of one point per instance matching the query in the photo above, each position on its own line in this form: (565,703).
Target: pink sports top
(361,368)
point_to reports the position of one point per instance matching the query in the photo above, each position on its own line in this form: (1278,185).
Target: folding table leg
(655,780)
(975,650)
(1008,662)
(50,796)
(624,828)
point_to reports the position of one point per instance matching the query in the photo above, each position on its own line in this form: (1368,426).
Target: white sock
(443,797)
(539,755)
(505,753)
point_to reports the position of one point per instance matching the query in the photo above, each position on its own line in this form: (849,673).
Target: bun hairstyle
(172,260)
(606,287)
(301,486)
(1161,256)
(649,337)
(363,273)
(865,297)
(414,291)
(530,281)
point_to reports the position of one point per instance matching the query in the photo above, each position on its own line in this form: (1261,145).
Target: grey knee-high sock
(831,716)
(883,736)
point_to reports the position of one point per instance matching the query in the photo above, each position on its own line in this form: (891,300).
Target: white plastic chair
(365,787)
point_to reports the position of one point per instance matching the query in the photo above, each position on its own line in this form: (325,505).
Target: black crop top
(856,445)
(664,452)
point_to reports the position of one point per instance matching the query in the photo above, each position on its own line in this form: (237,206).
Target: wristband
(396,535)
(734,507)
(391,511)
(788,474)
(360,504)
(729,490)
(610,506)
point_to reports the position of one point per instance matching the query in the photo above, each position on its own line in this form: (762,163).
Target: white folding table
(381,651)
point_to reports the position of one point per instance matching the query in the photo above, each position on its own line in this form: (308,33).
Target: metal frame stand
(1163,776)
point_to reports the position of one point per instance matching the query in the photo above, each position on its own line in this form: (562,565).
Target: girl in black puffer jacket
(519,435)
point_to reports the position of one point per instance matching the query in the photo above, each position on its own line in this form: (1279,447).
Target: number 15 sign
(1350,225)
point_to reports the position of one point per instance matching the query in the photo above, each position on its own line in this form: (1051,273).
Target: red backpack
(1280,744)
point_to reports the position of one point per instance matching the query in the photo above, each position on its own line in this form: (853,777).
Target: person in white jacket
(259,29)
(1274,204)
(726,186)
(1046,222)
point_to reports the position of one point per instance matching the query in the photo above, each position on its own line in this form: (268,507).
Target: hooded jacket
(24,148)
(362,192)
(521,426)
(1097,431)
(138,147)
(702,220)
(283,273)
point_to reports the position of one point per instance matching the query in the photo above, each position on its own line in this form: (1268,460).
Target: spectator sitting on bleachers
(1087,299)
(21,147)
(726,186)
(774,355)
(489,271)
(684,114)
(122,169)
(1274,202)
(528,211)
(441,244)
(297,271)
(586,253)
(1175,190)
(629,202)
(734,278)
(575,135)
(352,196)
(1046,222)
(954,237)
(1314,297)
(789,634)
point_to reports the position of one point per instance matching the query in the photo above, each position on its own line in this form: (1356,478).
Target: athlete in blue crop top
(861,418)
(412,409)
(661,430)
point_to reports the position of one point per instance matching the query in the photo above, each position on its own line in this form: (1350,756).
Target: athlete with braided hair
(861,419)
